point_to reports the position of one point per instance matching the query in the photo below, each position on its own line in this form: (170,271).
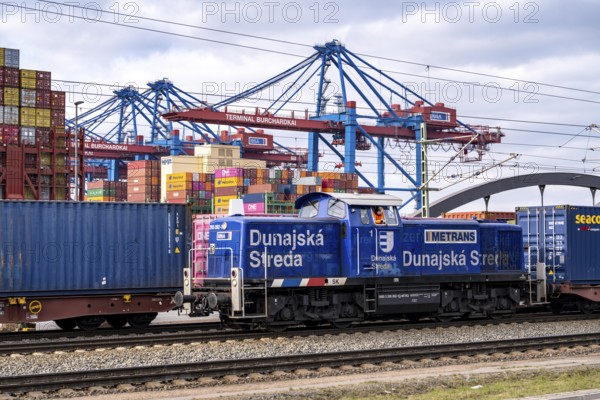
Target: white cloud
(537,42)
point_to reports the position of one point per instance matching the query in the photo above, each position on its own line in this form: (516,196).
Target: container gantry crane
(420,121)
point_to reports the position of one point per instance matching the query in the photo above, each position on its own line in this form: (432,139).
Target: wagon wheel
(89,323)
(66,324)
(140,321)
(585,306)
(117,321)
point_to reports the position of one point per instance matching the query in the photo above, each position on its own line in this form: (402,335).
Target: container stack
(106,191)
(33,152)
(194,188)
(143,181)
(334,182)
(207,159)
(229,184)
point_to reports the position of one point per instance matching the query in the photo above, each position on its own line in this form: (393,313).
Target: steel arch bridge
(466,196)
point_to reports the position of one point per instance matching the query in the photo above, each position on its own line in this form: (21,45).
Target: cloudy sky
(529,67)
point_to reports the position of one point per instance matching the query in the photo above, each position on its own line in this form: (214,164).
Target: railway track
(191,372)
(184,334)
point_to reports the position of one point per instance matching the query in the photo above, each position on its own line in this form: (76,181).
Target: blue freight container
(565,238)
(288,247)
(68,248)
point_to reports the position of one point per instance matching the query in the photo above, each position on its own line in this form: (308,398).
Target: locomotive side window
(390,215)
(336,208)
(364,216)
(309,210)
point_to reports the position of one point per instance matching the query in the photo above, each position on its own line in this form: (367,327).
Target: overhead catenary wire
(572,136)
(428,66)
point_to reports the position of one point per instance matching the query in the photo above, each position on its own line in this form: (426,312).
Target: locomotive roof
(353,199)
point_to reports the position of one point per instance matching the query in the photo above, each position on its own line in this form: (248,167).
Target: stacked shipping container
(143,181)
(229,184)
(195,188)
(32,120)
(106,191)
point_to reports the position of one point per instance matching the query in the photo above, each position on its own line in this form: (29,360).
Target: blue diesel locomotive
(339,262)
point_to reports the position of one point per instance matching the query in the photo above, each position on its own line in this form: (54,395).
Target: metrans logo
(587,219)
(450,236)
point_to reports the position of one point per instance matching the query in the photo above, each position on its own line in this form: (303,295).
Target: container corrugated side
(565,238)
(64,248)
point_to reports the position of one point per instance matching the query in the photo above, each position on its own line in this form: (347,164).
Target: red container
(43,84)
(135,189)
(42,99)
(139,164)
(180,195)
(140,198)
(44,75)
(10,134)
(57,100)
(43,136)
(144,180)
(265,188)
(57,118)
(227,191)
(2,76)
(11,77)
(2,98)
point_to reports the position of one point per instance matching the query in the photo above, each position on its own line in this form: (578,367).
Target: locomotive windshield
(310,209)
(336,208)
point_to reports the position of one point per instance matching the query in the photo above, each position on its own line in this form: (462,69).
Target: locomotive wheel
(497,316)
(140,321)
(312,324)
(444,318)
(414,317)
(276,328)
(341,324)
(66,324)
(117,321)
(89,323)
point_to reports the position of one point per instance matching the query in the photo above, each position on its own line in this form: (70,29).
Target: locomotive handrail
(207,249)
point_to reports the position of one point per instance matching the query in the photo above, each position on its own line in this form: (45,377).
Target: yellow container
(223,201)
(11,96)
(42,118)
(229,182)
(59,179)
(28,83)
(45,159)
(27,116)
(28,73)
(179,177)
(1,56)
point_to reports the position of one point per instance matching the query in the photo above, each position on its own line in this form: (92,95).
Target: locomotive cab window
(336,208)
(384,215)
(309,210)
(364,216)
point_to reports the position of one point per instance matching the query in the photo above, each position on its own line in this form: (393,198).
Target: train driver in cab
(378,215)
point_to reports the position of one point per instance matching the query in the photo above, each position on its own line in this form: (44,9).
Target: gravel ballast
(202,352)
